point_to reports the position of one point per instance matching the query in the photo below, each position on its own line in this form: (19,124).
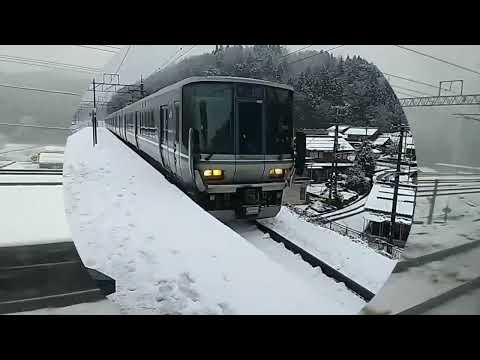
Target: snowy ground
(324,286)
(355,260)
(34,215)
(166,254)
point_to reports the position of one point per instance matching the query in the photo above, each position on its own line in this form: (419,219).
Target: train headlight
(277,172)
(213,173)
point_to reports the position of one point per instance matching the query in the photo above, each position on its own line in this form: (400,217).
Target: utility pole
(395,192)
(334,176)
(94,116)
(432,202)
(142,87)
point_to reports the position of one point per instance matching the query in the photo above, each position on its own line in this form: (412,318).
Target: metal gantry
(472,99)
(111,81)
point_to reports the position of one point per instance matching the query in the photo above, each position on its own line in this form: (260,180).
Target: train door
(250,151)
(137,120)
(176,143)
(165,136)
(159,125)
(125,126)
(172,147)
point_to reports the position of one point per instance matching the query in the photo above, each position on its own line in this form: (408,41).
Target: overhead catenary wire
(439,59)
(411,90)
(293,52)
(124,57)
(415,81)
(97,48)
(40,90)
(384,73)
(113,47)
(47,66)
(48,62)
(319,53)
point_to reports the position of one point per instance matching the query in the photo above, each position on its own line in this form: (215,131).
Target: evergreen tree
(366,160)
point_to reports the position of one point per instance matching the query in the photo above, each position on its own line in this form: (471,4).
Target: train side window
(177,120)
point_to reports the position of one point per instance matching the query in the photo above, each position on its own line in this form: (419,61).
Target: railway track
(329,271)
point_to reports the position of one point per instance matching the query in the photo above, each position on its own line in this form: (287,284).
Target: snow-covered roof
(325,143)
(329,164)
(332,133)
(381,140)
(381,196)
(361,131)
(51,158)
(341,128)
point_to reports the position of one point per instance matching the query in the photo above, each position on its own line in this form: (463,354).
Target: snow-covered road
(167,255)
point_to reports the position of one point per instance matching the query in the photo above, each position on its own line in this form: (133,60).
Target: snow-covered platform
(167,254)
(39,265)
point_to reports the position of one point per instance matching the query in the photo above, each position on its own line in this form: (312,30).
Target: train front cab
(244,139)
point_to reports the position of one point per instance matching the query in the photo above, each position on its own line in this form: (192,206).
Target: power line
(96,48)
(319,53)
(48,62)
(113,47)
(293,52)
(438,59)
(47,66)
(40,90)
(415,91)
(169,59)
(185,53)
(124,57)
(414,81)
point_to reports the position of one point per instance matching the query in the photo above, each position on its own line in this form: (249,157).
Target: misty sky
(145,59)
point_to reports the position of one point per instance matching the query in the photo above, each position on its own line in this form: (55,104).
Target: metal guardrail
(376,242)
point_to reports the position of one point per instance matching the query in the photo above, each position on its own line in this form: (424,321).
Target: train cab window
(208,108)
(279,122)
(250,91)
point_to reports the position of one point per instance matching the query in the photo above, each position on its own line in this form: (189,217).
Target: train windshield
(208,107)
(279,126)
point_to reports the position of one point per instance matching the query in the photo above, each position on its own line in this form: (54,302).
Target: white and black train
(226,141)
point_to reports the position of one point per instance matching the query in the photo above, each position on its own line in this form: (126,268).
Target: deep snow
(167,255)
(354,259)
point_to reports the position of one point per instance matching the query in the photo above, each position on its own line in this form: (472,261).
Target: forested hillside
(320,80)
